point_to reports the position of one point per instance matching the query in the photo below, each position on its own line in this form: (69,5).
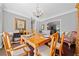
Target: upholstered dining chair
(59,46)
(20,50)
(46,51)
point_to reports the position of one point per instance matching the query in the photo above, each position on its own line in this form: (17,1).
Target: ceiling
(49,9)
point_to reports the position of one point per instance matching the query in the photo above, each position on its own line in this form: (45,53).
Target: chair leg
(35,51)
(60,52)
(8,53)
(28,53)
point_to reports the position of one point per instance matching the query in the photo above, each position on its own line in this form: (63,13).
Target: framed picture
(20,24)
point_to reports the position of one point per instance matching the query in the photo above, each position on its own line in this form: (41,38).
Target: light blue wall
(7,24)
(0,20)
(1,26)
(9,21)
(68,22)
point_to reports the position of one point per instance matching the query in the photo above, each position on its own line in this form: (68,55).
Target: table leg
(35,51)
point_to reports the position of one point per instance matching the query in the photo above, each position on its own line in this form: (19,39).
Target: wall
(0,19)
(1,25)
(67,22)
(9,21)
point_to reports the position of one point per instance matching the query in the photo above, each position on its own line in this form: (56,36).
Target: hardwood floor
(2,52)
(66,50)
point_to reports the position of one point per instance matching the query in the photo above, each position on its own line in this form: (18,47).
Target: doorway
(54,27)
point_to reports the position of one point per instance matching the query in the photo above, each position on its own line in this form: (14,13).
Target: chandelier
(38,12)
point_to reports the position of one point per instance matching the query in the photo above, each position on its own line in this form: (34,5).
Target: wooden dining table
(36,41)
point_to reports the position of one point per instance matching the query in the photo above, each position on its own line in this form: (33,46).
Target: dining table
(36,41)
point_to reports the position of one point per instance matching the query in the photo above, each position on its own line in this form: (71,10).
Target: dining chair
(59,46)
(48,51)
(20,50)
(55,35)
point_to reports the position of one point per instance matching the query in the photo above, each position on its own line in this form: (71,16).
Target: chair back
(62,40)
(6,41)
(56,36)
(53,43)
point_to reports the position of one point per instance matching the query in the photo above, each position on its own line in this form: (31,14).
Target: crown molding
(14,12)
(61,14)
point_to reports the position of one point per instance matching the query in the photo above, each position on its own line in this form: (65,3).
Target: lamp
(38,12)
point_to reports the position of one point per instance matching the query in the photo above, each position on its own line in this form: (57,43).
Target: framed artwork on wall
(20,24)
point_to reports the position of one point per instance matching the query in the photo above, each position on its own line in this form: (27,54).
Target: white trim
(67,12)
(14,12)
